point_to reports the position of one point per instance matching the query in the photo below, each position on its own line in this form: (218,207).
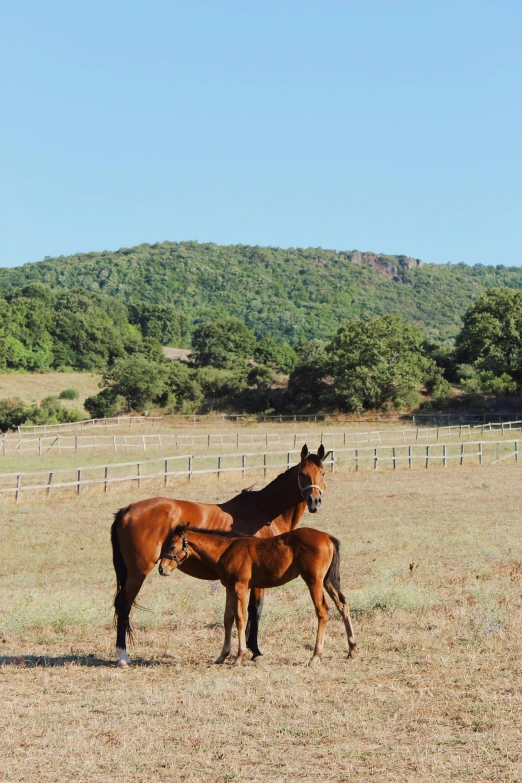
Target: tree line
(380,363)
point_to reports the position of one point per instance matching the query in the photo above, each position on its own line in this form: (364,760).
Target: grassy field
(33,387)
(432,563)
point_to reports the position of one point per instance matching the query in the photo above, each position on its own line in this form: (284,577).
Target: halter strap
(308,486)
(177,559)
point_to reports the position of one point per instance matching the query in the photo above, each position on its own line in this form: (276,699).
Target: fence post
(243,464)
(497,450)
(139,475)
(190,468)
(49,484)
(79,481)
(288,461)
(461,453)
(106,477)
(332,465)
(114,442)
(219,467)
(144,443)
(264,465)
(516,451)
(444,456)
(480,453)
(410,457)
(394,461)
(166,472)
(18,486)
(427,457)
(237,440)
(356,459)
(208,442)
(375,458)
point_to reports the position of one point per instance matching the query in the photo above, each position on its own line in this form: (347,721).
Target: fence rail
(438,419)
(87,424)
(190,465)
(56,443)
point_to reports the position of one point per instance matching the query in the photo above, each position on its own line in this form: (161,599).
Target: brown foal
(246,562)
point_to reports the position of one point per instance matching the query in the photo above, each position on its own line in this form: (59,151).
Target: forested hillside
(291,294)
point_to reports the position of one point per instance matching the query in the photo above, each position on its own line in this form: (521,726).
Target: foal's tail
(121,608)
(333,575)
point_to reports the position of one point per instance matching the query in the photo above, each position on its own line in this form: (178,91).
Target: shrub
(69,394)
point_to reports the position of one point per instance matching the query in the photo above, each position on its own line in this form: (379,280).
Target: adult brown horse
(138,532)
(249,562)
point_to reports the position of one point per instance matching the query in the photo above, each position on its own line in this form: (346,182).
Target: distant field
(432,564)
(33,387)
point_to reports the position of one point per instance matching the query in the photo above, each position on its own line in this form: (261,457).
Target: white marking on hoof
(123,659)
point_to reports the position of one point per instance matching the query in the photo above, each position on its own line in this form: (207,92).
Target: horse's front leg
(255,607)
(240,611)
(228,623)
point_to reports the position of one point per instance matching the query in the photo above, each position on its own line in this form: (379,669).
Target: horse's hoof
(314,661)
(124,659)
(221,659)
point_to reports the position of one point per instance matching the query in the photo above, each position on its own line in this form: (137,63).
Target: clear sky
(384,125)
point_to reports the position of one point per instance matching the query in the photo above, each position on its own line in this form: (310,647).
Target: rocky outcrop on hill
(382,264)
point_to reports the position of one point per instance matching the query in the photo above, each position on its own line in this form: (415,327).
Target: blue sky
(387,126)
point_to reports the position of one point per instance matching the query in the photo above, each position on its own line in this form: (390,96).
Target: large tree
(226,344)
(491,337)
(377,363)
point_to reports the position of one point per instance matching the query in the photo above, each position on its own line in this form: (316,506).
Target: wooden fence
(442,420)
(190,465)
(86,425)
(58,443)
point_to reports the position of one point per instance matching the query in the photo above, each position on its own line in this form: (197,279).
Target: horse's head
(175,550)
(310,477)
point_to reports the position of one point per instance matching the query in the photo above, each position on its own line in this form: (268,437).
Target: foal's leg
(341,603)
(240,607)
(228,623)
(255,607)
(321,609)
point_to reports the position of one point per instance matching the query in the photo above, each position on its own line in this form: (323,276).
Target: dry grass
(33,387)
(434,695)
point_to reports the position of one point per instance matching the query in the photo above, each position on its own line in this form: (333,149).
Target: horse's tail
(333,575)
(121,608)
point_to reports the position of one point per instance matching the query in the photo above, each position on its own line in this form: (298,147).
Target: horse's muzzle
(314,504)
(163,571)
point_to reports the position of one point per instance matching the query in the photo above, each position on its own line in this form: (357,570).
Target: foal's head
(175,550)
(310,477)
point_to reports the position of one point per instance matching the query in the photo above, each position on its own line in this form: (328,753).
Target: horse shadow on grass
(90,660)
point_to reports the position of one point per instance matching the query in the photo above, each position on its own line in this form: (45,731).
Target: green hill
(296,293)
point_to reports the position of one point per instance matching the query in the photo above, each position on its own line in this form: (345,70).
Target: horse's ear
(320,452)
(185,526)
(304,452)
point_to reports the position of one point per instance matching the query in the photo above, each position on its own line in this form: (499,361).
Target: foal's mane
(179,529)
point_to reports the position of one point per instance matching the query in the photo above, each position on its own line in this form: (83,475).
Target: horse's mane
(273,484)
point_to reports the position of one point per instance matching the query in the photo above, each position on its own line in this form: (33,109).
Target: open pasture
(33,387)
(432,565)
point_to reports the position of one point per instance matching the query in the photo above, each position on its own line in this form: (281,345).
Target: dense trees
(291,294)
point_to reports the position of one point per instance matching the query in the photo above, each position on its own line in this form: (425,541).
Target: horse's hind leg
(321,609)
(340,601)
(255,607)
(123,605)
(228,623)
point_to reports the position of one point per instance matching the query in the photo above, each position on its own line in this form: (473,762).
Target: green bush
(14,412)
(69,394)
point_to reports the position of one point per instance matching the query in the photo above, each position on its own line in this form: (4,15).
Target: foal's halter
(308,486)
(177,558)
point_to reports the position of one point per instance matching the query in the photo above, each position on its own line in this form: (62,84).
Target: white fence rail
(86,424)
(188,466)
(56,443)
